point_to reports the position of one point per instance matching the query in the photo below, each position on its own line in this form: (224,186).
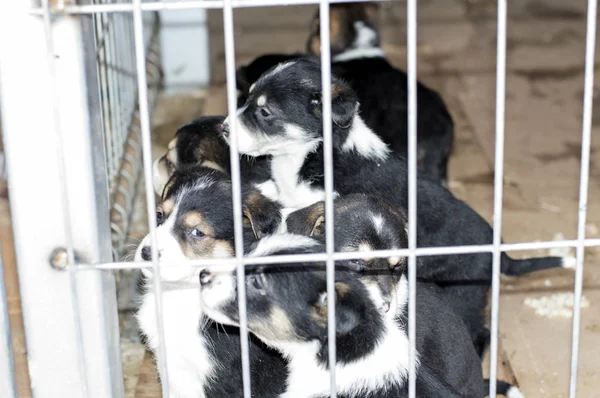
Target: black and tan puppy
(287,309)
(195,221)
(199,143)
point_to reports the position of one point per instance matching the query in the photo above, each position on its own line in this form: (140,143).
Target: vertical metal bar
(588,99)
(140,57)
(7,363)
(498,186)
(328,171)
(228,28)
(65,197)
(412,192)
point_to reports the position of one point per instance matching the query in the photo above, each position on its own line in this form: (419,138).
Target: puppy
(366,223)
(289,128)
(199,143)
(381,88)
(195,221)
(287,309)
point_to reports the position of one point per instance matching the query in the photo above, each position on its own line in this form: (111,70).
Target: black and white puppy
(287,309)
(382,89)
(365,223)
(283,118)
(199,143)
(195,220)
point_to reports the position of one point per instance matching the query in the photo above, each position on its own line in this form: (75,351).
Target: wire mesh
(127,134)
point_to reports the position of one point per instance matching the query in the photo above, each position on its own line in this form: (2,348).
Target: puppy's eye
(160,217)
(265,112)
(196,233)
(359,264)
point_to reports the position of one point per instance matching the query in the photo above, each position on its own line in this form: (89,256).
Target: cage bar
(236,190)
(498,186)
(184,5)
(328,185)
(144,115)
(588,98)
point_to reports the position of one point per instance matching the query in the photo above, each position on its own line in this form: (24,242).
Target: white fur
(364,45)
(364,141)
(569,262)
(359,53)
(274,243)
(262,100)
(365,36)
(514,392)
(220,291)
(387,365)
(378,223)
(278,69)
(169,252)
(268,189)
(188,361)
(157,180)
(285,169)
(256,143)
(285,212)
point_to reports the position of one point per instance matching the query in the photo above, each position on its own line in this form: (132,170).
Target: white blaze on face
(169,252)
(220,291)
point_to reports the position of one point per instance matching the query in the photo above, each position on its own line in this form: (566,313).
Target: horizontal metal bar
(315,257)
(205,4)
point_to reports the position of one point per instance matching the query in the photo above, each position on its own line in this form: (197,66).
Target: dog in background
(382,90)
(358,59)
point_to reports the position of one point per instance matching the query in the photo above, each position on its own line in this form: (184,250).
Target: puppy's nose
(225,129)
(205,277)
(146,253)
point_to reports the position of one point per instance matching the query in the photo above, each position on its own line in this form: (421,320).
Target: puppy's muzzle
(225,129)
(205,277)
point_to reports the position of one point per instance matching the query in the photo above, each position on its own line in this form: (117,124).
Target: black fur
(268,370)
(215,204)
(297,290)
(382,93)
(248,74)
(200,141)
(442,219)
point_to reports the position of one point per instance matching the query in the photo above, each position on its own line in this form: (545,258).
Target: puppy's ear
(309,221)
(241,80)
(347,316)
(344,104)
(260,214)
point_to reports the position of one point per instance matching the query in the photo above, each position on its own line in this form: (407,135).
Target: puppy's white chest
(292,192)
(188,362)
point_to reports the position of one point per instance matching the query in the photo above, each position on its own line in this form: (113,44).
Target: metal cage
(95,69)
